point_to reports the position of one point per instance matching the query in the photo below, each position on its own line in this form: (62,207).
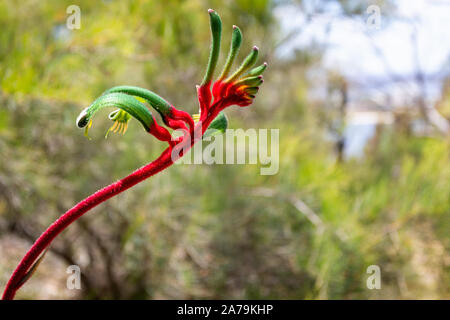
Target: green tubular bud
(250,81)
(157,102)
(216,32)
(122,101)
(249,61)
(236,40)
(218,126)
(258,70)
(252,90)
(82,119)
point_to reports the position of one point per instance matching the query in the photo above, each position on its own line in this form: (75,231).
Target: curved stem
(122,97)
(77,211)
(164,161)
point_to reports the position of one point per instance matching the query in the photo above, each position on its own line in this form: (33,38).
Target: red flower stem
(164,161)
(77,211)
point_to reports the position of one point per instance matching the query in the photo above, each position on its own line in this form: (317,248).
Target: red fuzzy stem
(204,99)
(160,133)
(165,160)
(180,115)
(73,214)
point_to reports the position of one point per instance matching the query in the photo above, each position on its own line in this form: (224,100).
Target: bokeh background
(364,174)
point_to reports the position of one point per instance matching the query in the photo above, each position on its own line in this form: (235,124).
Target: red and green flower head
(231,88)
(128,107)
(238,88)
(130,103)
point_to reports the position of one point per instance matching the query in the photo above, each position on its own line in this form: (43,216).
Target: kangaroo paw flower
(239,88)
(172,117)
(124,102)
(204,91)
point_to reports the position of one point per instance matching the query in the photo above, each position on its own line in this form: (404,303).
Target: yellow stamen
(111,129)
(120,119)
(196,117)
(89,125)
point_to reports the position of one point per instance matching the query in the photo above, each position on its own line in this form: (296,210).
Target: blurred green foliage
(221,231)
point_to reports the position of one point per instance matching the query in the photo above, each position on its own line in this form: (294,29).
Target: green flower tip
(82,119)
(128,107)
(216,32)
(216,23)
(236,41)
(248,62)
(257,71)
(236,38)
